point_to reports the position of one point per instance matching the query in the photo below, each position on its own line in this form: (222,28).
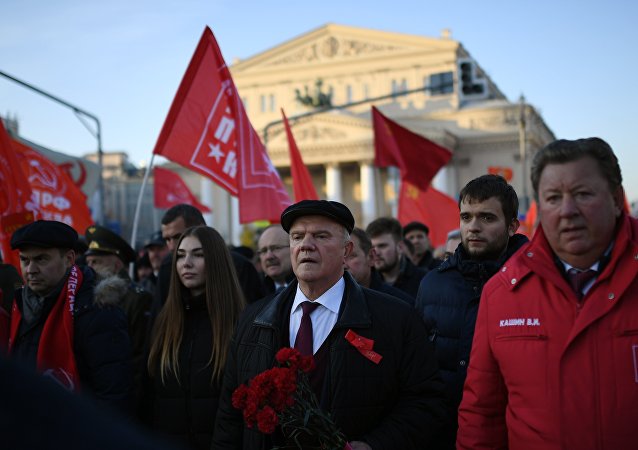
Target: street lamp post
(79,112)
(522,142)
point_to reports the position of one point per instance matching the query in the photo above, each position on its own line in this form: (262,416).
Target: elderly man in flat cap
(388,398)
(56,326)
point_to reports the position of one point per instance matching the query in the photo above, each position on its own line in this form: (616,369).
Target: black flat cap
(333,210)
(155,240)
(103,241)
(45,234)
(416,226)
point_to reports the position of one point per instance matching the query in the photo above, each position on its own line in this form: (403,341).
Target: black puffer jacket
(396,404)
(101,343)
(184,409)
(448,300)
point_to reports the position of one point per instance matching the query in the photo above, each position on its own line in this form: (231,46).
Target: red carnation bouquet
(282,396)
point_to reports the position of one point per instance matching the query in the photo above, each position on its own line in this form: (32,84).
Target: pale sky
(575,61)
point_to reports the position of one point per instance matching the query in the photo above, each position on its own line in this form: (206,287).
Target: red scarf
(55,356)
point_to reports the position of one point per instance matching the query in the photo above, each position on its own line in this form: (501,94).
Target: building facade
(326,81)
(432,86)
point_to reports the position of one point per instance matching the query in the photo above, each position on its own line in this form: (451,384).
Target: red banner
(505,172)
(301,181)
(418,158)
(529,225)
(431,207)
(15,196)
(55,195)
(208,131)
(170,190)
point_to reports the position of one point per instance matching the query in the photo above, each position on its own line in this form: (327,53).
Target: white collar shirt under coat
(323,318)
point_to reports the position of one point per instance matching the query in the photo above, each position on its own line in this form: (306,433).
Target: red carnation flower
(282,396)
(267,420)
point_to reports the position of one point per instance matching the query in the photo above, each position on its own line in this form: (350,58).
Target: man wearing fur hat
(109,255)
(58,327)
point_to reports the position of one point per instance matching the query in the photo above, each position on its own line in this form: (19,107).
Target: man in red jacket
(554,362)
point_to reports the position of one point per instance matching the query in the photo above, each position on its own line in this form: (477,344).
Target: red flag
(418,158)
(439,211)
(208,131)
(528,226)
(55,195)
(170,190)
(301,182)
(15,196)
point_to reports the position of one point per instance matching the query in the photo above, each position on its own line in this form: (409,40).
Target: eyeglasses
(271,248)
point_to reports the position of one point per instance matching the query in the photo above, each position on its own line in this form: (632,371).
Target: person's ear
(619,201)
(69,258)
(347,249)
(513,226)
(402,248)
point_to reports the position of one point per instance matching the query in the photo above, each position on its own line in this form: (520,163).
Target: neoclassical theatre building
(331,76)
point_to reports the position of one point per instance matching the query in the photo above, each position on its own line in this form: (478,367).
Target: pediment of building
(323,139)
(338,43)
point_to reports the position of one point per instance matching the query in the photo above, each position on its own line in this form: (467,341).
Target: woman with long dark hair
(190,339)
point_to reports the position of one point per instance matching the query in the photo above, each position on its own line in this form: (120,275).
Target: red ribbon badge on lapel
(364,345)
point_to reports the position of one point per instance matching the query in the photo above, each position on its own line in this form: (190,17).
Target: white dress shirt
(323,318)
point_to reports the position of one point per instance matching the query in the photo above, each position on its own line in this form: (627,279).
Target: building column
(394,181)
(333,182)
(206,194)
(235,227)
(368,193)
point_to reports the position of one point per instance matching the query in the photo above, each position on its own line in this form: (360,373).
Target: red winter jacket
(546,373)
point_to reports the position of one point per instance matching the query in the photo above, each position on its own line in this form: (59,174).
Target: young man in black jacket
(388,403)
(448,297)
(390,259)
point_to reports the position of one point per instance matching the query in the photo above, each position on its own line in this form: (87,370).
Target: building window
(366,92)
(262,103)
(440,83)
(399,86)
(271,102)
(348,94)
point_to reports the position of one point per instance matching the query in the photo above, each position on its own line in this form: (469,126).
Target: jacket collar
(354,310)
(461,261)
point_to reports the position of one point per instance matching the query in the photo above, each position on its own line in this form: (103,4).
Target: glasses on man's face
(271,248)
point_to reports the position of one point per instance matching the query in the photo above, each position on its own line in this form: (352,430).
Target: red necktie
(578,279)
(303,342)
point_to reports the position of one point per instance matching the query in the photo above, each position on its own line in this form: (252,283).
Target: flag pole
(136,217)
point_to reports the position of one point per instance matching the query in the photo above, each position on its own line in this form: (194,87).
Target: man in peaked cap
(109,255)
(59,324)
(326,314)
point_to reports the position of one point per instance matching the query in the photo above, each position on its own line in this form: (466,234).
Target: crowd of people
(492,341)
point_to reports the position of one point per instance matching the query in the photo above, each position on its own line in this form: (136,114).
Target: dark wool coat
(409,278)
(397,403)
(377,284)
